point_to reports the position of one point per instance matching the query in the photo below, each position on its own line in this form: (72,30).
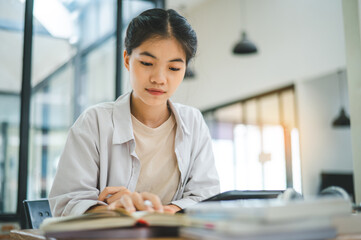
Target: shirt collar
(178,118)
(123,128)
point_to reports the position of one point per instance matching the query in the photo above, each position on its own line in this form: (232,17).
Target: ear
(126,59)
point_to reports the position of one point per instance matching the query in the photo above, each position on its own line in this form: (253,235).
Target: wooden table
(27,234)
(35,234)
(349,237)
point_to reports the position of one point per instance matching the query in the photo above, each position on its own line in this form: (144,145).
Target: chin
(155,101)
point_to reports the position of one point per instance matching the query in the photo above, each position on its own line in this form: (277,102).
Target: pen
(148,203)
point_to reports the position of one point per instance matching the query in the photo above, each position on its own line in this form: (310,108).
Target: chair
(36,211)
(339,179)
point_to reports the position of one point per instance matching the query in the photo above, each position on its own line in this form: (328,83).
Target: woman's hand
(131,201)
(135,201)
(112,194)
(171,208)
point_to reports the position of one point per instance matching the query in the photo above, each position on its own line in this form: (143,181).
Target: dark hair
(161,23)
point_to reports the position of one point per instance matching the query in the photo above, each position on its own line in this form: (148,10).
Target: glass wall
(74,66)
(256,143)
(11,35)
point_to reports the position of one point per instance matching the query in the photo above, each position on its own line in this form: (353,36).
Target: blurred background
(273,107)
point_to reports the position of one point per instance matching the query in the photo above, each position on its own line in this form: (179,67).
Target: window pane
(100,65)
(73,67)
(260,154)
(275,167)
(223,154)
(269,110)
(74,49)
(288,104)
(296,161)
(230,114)
(11,52)
(249,174)
(51,116)
(251,142)
(131,8)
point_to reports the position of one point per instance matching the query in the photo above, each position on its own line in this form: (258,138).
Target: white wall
(296,39)
(323,147)
(299,42)
(352,20)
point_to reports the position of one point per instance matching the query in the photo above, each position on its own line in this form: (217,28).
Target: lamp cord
(243,14)
(340,88)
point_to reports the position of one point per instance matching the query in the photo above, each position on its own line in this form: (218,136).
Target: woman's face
(156,69)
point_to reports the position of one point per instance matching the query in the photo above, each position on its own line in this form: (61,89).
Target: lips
(155,91)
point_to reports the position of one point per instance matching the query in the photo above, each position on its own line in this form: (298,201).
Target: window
(73,66)
(11,35)
(255,142)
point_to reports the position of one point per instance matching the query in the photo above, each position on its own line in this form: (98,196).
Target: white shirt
(159,173)
(100,152)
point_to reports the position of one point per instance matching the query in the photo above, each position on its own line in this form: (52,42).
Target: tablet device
(238,194)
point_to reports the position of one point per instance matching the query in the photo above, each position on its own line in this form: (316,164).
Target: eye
(146,63)
(174,69)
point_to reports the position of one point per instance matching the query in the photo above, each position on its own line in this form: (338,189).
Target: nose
(159,77)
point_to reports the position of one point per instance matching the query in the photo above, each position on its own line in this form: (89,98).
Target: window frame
(288,152)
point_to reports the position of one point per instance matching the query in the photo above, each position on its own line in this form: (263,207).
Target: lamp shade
(342,120)
(189,73)
(245,46)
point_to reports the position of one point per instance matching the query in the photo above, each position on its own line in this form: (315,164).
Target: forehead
(162,47)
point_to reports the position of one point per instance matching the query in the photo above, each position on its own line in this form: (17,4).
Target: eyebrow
(145,53)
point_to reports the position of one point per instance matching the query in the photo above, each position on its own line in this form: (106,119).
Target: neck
(151,116)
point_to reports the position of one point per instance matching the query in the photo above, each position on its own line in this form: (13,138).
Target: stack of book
(266,219)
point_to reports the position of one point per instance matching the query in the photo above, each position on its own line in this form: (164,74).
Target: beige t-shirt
(159,172)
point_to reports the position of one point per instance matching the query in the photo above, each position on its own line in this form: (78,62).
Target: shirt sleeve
(74,188)
(203,181)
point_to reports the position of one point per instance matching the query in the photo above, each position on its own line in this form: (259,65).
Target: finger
(168,209)
(116,196)
(114,205)
(138,202)
(157,205)
(109,190)
(127,203)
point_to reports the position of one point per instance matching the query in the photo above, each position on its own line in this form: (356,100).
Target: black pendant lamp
(342,120)
(244,46)
(190,73)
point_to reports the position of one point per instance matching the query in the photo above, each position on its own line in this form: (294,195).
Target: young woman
(141,152)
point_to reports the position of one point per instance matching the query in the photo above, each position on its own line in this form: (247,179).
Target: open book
(109,219)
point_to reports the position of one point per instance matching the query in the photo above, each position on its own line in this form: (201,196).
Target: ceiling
(183,5)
